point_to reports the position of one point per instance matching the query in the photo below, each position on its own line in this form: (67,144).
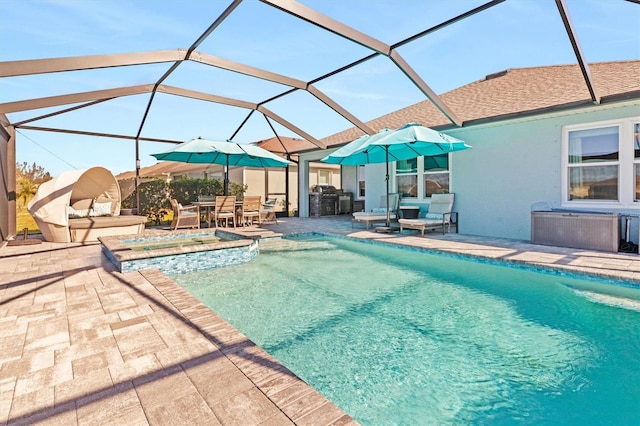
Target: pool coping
(122,253)
(235,249)
(558,270)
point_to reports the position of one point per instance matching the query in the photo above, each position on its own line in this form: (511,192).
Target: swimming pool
(394,336)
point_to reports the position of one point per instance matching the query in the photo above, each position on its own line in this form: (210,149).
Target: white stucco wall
(509,168)
(349,177)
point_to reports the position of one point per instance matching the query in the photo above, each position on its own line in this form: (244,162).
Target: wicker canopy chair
(81,205)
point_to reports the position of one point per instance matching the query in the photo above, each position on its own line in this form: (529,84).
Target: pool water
(395,336)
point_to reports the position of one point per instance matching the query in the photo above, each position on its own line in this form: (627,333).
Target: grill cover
(324,189)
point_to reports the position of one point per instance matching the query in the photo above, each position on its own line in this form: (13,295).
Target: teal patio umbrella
(225,153)
(352,154)
(409,141)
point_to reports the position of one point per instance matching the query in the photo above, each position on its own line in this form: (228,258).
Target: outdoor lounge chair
(379,214)
(184,217)
(251,209)
(439,216)
(225,209)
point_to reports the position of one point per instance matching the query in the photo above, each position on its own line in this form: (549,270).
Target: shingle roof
(510,92)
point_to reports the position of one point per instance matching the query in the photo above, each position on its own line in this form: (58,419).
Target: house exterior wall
(271,183)
(321,173)
(236,174)
(293,189)
(255,181)
(349,179)
(305,162)
(511,166)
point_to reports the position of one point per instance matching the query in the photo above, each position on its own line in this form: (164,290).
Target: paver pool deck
(82,343)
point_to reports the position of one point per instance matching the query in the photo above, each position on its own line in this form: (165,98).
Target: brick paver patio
(84,344)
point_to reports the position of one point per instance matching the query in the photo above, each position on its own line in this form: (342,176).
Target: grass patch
(25,220)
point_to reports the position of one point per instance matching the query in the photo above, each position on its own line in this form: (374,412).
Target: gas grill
(326,200)
(323,200)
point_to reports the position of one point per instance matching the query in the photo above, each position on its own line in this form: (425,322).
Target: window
(361,181)
(433,177)
(324,177)
(407,177)
(602,164)
(436,175)
(594,164)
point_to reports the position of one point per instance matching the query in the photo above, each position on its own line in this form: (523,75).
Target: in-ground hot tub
(179,252)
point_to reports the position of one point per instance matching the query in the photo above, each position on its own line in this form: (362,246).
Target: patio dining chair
(184,216)
(251,209)
(268,212)
(209,201)
(225,210)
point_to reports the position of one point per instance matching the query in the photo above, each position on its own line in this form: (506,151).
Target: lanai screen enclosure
(190,67)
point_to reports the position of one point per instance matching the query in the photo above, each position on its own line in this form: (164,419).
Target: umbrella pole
(226,178)
(386,150)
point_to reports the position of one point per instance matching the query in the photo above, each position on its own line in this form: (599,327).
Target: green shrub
(155,194)
(153,200)
(187,190)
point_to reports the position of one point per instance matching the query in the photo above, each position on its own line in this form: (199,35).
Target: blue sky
(516,33)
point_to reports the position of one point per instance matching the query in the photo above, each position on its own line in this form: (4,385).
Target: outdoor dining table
(210,207)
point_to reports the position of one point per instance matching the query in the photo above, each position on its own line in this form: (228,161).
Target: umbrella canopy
(410,141)
(354,153)
(225,153)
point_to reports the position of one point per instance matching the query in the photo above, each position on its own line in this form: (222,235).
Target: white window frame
(416,174)
(325,173)
(421,177)
(361,174)
(626,165)
(636,162)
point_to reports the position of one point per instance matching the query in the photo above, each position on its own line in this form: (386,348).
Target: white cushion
(100,209)
(414,221)
(420,222)
(73,213)
(379,210)
(433,216)
(372,216)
